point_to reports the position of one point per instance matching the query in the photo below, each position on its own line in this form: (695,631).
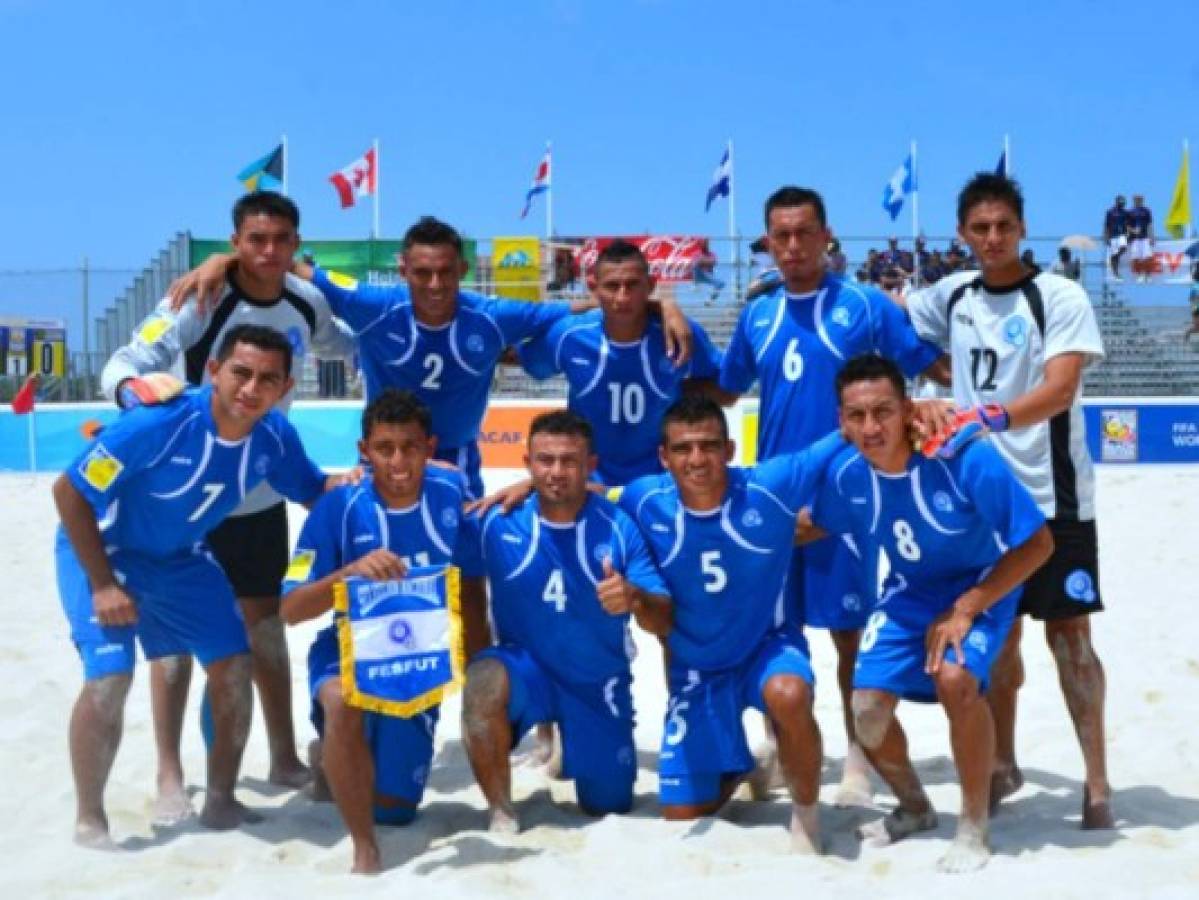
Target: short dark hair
(987,186)
(621,251)
(261,336)
(691,409)
(791,196)
(561,422)
(431,231)
(869,367)
(394,406)
(265,203)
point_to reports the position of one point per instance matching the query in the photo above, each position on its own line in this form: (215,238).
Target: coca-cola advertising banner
(671,258)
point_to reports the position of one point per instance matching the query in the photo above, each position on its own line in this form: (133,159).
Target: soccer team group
(918,562)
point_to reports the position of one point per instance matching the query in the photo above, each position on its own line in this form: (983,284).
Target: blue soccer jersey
(449,367)
(943,524)
(160,477)
(794,346)
(727,568)
(543,577)
(622,389)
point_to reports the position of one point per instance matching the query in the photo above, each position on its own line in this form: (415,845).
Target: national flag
(359,179)
(541,183)
(264,174)
(902,183)
(722,179)
(1001,169)
(1179,216)
(23,400)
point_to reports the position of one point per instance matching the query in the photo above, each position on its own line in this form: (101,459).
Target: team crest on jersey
(1080,587)
(262,464)
(449,517)
(100,468)
(300,566)
(345,282)
(941,502)
(852,602)
(602,552)
(1015,331)
(840,316)
(474,343)
(154,328)
(751,519)
(977,640)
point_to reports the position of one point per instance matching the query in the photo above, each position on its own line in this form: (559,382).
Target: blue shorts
(703,740)
(184,606)
(401,748)
(892,653)
(829,587)
(596,722)
(467,459)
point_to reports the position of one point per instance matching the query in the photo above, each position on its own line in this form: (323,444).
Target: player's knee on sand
(871,717)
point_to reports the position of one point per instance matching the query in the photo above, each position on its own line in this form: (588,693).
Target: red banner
(671,258)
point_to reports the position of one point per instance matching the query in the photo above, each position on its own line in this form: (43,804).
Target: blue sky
(127,121)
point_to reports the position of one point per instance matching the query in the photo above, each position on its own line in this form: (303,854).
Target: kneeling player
(961,537)
(403,515)
(135,508)
(722,538)
(566,570)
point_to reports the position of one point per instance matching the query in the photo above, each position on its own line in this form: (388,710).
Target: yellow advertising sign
(516,264)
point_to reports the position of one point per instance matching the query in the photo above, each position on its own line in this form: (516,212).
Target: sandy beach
(1148,640)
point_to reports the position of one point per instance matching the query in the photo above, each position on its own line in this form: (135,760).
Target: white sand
(1149,641)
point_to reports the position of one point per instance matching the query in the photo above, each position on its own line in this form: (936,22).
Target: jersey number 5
(714,575)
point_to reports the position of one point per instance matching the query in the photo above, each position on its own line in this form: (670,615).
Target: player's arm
(676,327)
(312,599)
(1014,568)
(619,597)
(112,605)
(137,374)
(206,283)
(476,628)
(296,476)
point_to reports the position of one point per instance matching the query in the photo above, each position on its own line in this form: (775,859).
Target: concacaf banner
(671,258)
(1173,260)
(402,646)
(516,266)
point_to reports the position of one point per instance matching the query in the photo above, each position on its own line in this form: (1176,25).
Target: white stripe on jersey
(430,530)
(534,540)
(925,512)
(818,318)
(781,303)
(726,525)
(581,550)
(196,474)
(166,448)
(648,369)
(456,352)
(600,365)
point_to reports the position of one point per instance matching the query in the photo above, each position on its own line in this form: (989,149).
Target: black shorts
(1068,584)
(253,551)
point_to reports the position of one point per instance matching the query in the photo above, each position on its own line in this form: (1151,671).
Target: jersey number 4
(555,591)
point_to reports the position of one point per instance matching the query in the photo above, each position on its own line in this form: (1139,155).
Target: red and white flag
(358,179)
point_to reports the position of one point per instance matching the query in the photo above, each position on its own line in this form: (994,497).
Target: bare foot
(968,852)
(503,821)
(1004,783)
(94,835)
(855,788)
(172,807)
(896,826)
(289,772)
(366,860)
(318,789)
(225,814)
(766,771)
(805,829)
(1097,811)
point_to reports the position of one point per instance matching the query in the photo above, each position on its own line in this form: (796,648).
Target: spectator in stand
(1194,303)
(566,271)
(837,262)
(1140,238)
(764,275)
(1067,266)
(875,263)
(1115,235)
(704,270)
(932,267)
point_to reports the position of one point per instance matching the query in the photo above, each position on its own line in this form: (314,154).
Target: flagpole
(549,193)
(733,224)
(1186,161)
(375,192)
(283,143)
(915,216)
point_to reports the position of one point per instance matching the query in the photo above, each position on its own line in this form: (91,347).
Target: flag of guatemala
(902,183)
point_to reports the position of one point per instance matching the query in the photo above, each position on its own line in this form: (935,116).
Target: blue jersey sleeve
(519,320)
(360,305)
(639,568)
(539,355)
(794,478)
(124,448)
(294,474)
(318,549)
(830,509)
(739,369)
(1002,501)
(705,358)
(896,339)
(468,551)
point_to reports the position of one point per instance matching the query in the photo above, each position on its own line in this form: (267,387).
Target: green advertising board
(356,258)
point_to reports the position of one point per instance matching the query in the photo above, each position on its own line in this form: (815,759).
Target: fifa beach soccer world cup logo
(1118,435)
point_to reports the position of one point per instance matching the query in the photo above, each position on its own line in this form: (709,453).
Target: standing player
(428,336)
(1019,340)
(404,515)
(252,544)
(566,570)
(793,340)
(135,507)
(722,538)
(961,536)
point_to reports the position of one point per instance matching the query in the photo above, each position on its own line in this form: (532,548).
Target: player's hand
(352,476)
(676,331)
(206,282)
(148,390)
(506,498)
(113,606)
(615,594)
(931,417)
(967,425)
(948,630)
(378,565)
(807,531)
